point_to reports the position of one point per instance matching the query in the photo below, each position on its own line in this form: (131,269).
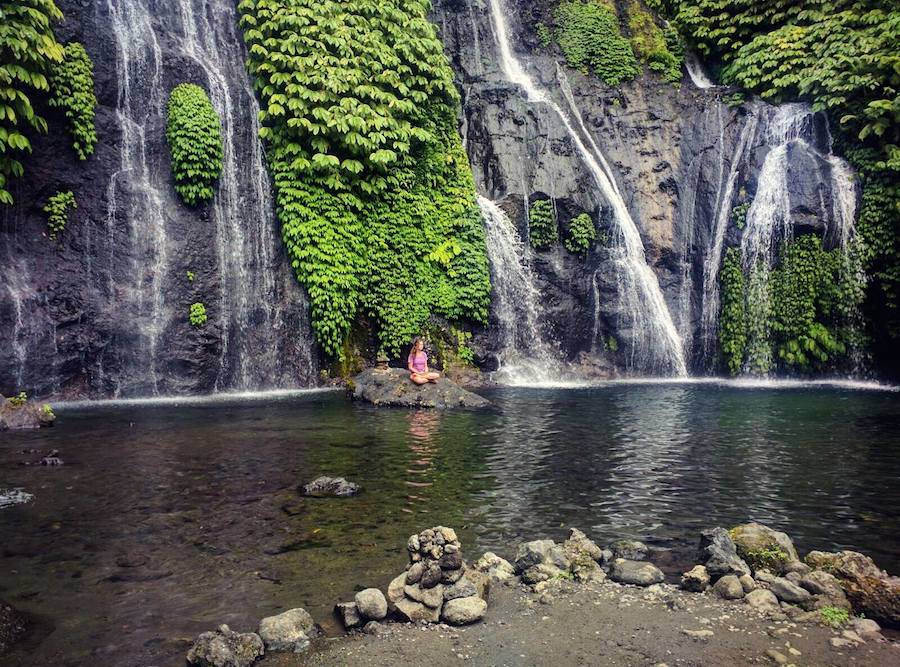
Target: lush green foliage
(197,314)
(542,227)
(588,34)
(771,557)
(28,51)
(835,616)
(739,214)
(373,188)
(545,36)
(72,90)
(190,276)
(194,135)
(57,210)
(19,400)
(732,315)
(582,234)
(651,44)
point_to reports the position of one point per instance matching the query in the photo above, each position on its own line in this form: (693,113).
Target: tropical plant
(542,225)
(72,91)
(732,313)
(582,234)
(197,314)
(739,214)
(194,135)
(57,211)
(651,44)
(19,400)
(28,51)
(588,34)
(835,616)
(373,189)
(545,36)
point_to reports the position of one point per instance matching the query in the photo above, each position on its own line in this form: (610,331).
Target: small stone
(288,631)
(431,597)
(729,588)
(371,604)
(349,614)
(788,591)
(395,588)
(431,577)
(414,573)
(413,543)
(762,599)
(839,642)
(416,611)
(696,579)
(449,535)
(853,637)
(225,648)
(637,573)
(373,628)
(776,657)
(494,566)
(451,561)
(794,652)
(463,611)
(764,576)
(867,628)
(451,549)
(451,576)
(747,583)
(480,581)
(462,589)
(698,634)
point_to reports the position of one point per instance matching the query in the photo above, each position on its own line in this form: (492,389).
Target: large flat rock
(392,387)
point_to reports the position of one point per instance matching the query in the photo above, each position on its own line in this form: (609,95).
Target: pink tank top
(419,361)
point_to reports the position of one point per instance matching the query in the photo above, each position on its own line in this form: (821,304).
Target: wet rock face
(670,150)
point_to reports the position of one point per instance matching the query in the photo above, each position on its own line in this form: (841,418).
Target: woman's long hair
(415,346)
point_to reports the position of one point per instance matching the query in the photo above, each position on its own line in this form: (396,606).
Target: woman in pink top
(417,363)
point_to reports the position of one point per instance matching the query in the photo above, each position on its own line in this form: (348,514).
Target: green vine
(545,36)
(57,211)
(542,225)
(582,234)
(197,314)
(373,189)
(588,34)
(651,44)
(72,90)
(19,400)
(732,313)
(194,136)
(28,52)
(739,214)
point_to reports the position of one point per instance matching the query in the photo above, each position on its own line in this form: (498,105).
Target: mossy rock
(763,547)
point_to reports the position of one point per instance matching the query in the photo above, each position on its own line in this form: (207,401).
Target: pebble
(698,634)
(776,656)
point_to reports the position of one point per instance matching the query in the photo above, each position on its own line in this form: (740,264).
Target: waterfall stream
(526,356)
(655,345)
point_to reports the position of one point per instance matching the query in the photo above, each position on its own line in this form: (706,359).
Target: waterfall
(655,345)
(695,71)
(244,305)
(525,355)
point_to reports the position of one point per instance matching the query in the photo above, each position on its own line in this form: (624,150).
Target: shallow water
(170,518)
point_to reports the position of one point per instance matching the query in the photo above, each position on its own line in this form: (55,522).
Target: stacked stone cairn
(759,565)
(438,585)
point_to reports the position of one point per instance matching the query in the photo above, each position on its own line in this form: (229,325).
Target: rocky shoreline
(750,582)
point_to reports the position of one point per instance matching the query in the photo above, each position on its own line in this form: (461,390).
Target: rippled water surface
(169,519)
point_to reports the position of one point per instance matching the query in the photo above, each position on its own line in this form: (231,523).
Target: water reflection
(423,427)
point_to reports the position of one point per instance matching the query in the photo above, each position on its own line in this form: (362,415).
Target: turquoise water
(170,518)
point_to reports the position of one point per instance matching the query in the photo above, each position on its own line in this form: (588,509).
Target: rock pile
(437,584)
(761,566)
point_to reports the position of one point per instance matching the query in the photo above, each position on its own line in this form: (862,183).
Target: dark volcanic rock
(12,627)
(719,554)
(330,486)
(29,415)
(392,387)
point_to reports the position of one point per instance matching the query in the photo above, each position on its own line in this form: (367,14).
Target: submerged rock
(322,487)
(225,648)
(288,631)
(629,549)
(392,387)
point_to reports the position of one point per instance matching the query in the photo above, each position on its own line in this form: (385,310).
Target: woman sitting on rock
(417,363)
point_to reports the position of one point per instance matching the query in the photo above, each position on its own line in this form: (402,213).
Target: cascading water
(250,324)
(695,71)
(655,346)
(525,355)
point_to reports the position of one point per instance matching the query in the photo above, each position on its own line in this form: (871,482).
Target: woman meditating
(417,363)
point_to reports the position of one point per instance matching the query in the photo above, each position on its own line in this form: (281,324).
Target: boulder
(349,614)
(763,547)
(871,591)
(629,550)
(788,592)
(826,591)
(729,588)
(288,631)
(323,487)
(539,552)
(413,611)
(431,597)
(867,628)
(762,599)
(579,546)
(24,416)
(392,387)
(638,573)
(463,611)
(225,648)
(719,554)
(371,604)
(696,579)
(495,567)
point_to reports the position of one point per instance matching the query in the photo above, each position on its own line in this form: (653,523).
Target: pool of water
(170,518)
